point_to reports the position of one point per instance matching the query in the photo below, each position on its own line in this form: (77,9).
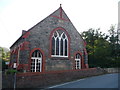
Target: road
(103,81)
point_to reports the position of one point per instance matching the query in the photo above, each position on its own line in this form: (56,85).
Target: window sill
(59,58)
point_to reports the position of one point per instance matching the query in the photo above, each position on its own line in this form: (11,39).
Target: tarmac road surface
(102,81)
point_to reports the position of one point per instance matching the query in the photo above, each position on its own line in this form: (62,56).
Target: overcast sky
(18,15)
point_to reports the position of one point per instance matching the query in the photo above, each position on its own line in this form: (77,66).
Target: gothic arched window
(59,44)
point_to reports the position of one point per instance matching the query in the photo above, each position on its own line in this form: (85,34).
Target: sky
(18,15)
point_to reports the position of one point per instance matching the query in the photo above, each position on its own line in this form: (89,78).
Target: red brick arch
(43,59)
(82,61)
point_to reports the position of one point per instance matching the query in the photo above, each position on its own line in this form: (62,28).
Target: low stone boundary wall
(112,70)
(42,80)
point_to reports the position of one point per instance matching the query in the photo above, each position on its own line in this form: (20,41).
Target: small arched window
(77,61)
(59,44)
(36,61)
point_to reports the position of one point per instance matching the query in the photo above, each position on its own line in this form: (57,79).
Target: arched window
(36,61)
(59,44)
(77,61)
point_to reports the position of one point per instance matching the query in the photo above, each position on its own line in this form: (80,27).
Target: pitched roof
(59,13)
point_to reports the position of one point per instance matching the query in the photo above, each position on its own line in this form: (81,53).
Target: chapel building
(53,44)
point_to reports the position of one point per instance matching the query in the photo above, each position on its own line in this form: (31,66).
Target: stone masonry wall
(39,37)
(51,78)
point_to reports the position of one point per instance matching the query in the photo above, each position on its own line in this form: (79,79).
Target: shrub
(11,71)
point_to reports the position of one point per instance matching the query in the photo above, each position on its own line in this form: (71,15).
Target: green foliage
(4,57)
(3,65)
(11,71)
(103,50)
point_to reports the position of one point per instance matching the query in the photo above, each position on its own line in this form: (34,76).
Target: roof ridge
(61,11)
(32,27)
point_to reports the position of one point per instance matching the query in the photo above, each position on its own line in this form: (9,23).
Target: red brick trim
(43,59)
(26,35)
(82,61)
(61,12)
(10,65)
(17,57)
(85,43)
(51,72)
(61,18)
(24,45)
(86,66)
(69,40)
(85,51)
(22,66)
(13,52)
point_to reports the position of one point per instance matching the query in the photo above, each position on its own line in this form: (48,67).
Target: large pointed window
(59,44)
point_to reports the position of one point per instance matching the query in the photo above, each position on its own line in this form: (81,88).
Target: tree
(99,47)
(113,38)
(4,57)
(115,46)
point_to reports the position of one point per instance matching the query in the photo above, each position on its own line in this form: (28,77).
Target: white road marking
(66,83)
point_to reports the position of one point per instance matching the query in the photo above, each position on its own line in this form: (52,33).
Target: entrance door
(77,61)
(36,61)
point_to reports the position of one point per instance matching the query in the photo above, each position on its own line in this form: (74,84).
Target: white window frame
(60,37)
(78,61)
(36,59)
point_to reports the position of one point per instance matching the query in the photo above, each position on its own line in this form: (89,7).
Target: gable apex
(60,14)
